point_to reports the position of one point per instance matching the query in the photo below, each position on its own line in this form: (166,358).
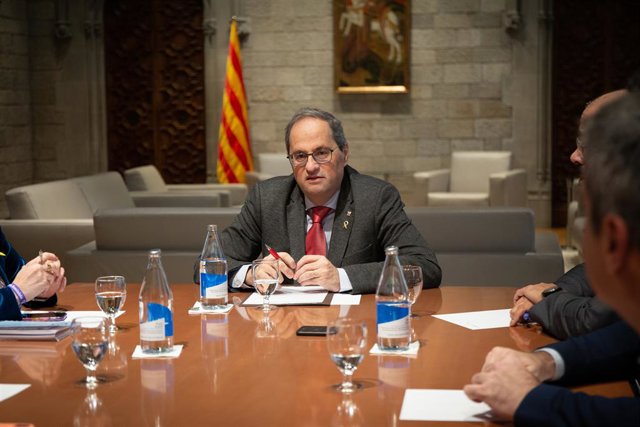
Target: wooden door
(596,48)
(155,87)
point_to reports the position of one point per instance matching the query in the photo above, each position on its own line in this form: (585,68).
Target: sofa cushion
(164,228)
(493,230)
(144,178)
(48,200)
(104,191)
(457,199)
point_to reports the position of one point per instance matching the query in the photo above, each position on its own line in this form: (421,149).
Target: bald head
(577,157)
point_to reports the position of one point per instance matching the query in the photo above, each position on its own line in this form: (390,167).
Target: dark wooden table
(237,370)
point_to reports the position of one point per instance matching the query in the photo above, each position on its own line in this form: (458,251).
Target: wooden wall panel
(155,87)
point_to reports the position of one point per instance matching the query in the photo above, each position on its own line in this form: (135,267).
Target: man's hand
(287,267)
(532,292)
(507,376)
(519,308)
(317,270)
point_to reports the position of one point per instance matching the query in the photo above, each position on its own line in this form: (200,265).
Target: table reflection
(214,344)
(91,412)
(156,376)
(41,362)
(347,413)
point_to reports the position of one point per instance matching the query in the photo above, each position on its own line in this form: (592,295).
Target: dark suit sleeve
(574,310)
(394,228)
(608,354)
(549,405)
(9,308)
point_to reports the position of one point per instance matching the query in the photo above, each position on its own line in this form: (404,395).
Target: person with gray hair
(513,383)
(328,224)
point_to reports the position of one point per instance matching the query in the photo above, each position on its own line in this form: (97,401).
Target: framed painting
(371,45)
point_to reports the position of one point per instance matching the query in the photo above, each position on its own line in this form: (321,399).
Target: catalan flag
(234,149)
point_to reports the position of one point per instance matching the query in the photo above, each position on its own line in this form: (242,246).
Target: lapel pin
(348,213)
(345,224)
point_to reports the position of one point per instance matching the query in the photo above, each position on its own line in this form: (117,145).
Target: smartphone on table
(312,331)
(45,316)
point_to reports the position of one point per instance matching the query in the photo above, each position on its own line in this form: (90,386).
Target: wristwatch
(550,291)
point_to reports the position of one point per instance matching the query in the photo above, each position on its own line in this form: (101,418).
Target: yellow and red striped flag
(234,149)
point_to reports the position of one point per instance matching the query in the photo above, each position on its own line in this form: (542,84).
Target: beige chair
(148,178)
(476,178)
(270,165)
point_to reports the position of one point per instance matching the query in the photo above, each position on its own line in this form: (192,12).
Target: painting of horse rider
(371,42)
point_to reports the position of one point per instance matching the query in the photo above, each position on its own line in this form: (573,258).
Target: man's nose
(577,157)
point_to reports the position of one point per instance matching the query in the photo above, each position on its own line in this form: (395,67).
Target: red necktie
(316,243)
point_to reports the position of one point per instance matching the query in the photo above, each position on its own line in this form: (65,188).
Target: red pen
(272,251)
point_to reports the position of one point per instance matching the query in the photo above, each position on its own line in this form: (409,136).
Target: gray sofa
(57,216)
(123,238)
(478,246)
(148,178)
(489,246)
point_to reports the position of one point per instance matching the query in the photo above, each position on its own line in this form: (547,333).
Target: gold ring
(49,268)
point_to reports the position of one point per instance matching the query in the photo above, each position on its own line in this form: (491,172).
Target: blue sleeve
(608,354)
(551,406)
(9,308)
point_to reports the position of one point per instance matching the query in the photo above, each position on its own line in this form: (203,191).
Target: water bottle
(213,272)
(156,308)
(392,305)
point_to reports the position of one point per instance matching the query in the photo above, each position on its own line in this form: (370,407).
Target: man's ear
(345,152)
(615,242)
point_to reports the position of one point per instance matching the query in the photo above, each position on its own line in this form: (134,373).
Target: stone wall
(461,63)
(16,164)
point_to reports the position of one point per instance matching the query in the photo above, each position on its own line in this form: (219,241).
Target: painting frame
(371,40)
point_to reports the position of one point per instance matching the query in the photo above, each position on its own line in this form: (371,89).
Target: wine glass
(413,276)
(89,344)
(265,280)
(111,292)
(346,342)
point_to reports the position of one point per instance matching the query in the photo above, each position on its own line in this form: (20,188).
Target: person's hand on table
(532,292)
(41,277)
(519,308)
(287,267)
(507,376)
(317,270)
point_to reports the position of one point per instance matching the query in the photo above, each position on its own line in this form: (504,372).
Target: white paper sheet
(197,309)
(441,405)
(345,299)
(411,351)
(287,296)
(488,319)
(75,314)
(10,390)
(138,354)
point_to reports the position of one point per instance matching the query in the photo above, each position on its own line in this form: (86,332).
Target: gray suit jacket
(369,217)
(573,311)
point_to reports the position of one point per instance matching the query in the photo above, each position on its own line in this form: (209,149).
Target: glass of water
(265,279)
(111,292)
(346,342)
(90,343)
(413,276)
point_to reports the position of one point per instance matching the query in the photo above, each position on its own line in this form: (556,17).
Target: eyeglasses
(321,155)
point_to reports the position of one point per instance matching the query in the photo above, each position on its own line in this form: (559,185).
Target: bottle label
(159,324)
(213,285)
(393,320)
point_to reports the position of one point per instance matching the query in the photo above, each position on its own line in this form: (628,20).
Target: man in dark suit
(567,307)
(328,223)
(511,382)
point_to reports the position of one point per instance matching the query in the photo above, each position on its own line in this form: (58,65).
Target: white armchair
(270,164)
(476,178)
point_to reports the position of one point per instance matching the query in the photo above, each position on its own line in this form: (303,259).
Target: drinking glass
(413,276)
(346,342)
(265,280)
(111,292)
(90,344)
